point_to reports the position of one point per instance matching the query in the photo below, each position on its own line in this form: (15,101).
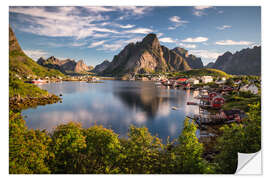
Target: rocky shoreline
(17,103)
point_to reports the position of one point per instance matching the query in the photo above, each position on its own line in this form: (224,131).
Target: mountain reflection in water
(115,105)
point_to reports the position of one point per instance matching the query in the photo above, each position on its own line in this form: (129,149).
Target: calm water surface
(115,105)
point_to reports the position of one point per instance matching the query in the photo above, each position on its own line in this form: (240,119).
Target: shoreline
(17,104)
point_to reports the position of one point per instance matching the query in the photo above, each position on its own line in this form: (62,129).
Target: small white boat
(175,108)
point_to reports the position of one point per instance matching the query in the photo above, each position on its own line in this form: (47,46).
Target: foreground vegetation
(72,149)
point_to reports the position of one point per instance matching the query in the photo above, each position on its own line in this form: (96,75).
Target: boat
(38,81)
(175,108)
(192,103)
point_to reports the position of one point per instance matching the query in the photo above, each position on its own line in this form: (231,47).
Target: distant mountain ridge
(65,66)
(193,61)
(149,56)
(101,67)
(244,62)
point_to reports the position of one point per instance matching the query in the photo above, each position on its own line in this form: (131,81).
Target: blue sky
(98,33)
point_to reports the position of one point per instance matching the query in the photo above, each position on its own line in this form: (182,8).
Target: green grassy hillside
(206,72)
(23,66)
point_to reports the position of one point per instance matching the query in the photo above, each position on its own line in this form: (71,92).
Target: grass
(240,101)
(24,66)
(206,72)
(19,88)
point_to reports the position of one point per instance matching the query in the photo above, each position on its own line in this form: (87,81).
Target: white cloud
(134,40)
(35,54)
(119,44)
(127,26)
(205,54)
(71,22)
(231,42)
(199,13)
(199,10)
(159,35)
(224,27)
(175,19)
(192,46)
(78,44)
(177,22)
(139,31)
(202,7)
(110,47)
(98,9)
(95,44)
(167,40)
(171,27)
(135,10)
(195,40)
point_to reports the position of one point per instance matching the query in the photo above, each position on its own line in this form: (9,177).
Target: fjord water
(116,105)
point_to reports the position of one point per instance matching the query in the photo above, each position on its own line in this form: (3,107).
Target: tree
(68,142)
(188,154)
(243,138)
(140,152)
(102,150)
(28,149)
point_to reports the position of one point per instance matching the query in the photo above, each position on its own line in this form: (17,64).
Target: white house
(251,87)
(207,79)
(237,82)
(193,81)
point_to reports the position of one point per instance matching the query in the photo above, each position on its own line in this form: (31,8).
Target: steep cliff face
(145,57)
(223,61)
(65,66)
(246,62)
(193,61)
(101,67)
(13,43)
(23,66)
(81,67)
(174,61)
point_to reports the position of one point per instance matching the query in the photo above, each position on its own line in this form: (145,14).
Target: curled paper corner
(249,164)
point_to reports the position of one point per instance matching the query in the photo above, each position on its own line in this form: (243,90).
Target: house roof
(182,79)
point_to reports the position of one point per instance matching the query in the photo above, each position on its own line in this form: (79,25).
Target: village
(220,101)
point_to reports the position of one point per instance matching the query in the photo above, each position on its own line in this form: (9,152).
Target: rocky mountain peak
(145,57)
(193,61)
(151,41)
(247,61)
(65,66)
(101,67)
(13,43)
(227,54)
(181,51)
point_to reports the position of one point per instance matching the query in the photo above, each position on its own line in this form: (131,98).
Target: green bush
(67,143)
(243,138)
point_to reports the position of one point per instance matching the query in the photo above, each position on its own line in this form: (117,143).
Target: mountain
(193,61)
(210,65)
(21,65)
(101,67)
(145,57)
(65,66)
(244,62)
